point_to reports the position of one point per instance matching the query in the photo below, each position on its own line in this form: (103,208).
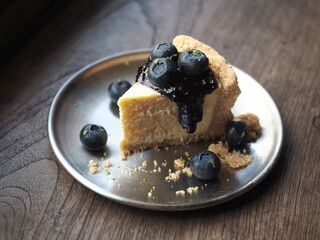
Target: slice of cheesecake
(150,119)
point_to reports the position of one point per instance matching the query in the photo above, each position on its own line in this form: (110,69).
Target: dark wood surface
(20,19)
(277,42)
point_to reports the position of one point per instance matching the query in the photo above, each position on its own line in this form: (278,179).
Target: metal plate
(84,99)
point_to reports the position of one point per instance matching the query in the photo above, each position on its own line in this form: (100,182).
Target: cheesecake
(151,118)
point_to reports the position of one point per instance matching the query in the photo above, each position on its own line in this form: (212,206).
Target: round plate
(84,99)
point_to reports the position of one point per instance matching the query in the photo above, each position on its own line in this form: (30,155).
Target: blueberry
(193,63)
(117,89)
(162,72)
(205,165)
(236,133)
(93,137)
(164,50)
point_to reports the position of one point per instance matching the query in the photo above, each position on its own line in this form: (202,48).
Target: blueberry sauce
(187,92)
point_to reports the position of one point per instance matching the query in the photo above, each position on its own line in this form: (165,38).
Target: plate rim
(143,204)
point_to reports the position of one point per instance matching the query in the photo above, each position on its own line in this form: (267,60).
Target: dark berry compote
(183,77)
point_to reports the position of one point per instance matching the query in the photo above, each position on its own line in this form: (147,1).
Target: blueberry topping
(164,50)
(188,91)
(93,137)
(205,165)
(162,72)
(190,115)
(193,63)
(236,133)
(117,89)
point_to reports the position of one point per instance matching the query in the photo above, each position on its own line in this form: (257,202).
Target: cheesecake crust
(228,83)
(254,128)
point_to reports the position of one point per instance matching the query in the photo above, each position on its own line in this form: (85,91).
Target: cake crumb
(238,160)
(192,190)
(107,164)
(144,164)
(155,164)
(219,149)
(93,167)
(254,127)
(179,163)
(92,163)
(180,193)
(187,171)
(175,176)
(93,170)
(151,192)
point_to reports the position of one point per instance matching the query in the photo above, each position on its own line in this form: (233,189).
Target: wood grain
(277,42)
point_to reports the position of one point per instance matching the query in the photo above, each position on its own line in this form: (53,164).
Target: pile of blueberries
(168,65)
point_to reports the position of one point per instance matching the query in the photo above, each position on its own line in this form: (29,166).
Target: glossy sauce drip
(188,93)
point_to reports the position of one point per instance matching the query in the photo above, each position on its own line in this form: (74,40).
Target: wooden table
(277,42)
